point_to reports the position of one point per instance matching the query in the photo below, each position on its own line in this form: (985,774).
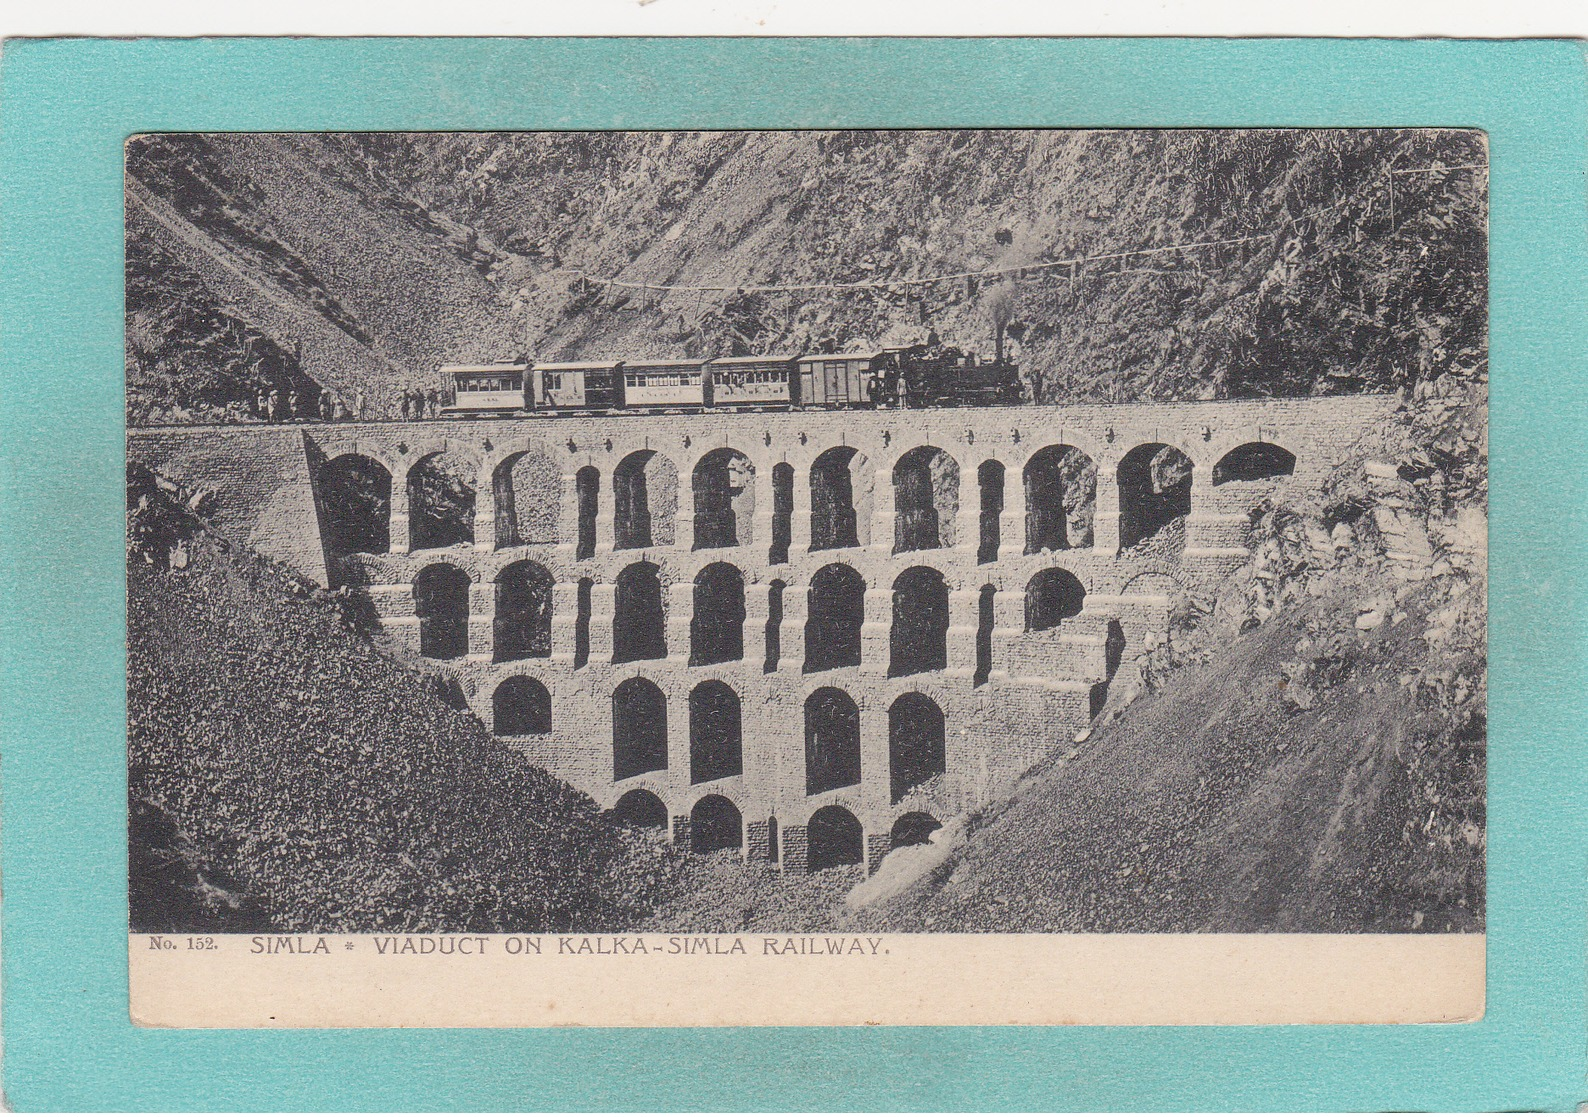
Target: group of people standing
(420,403)
(272,406)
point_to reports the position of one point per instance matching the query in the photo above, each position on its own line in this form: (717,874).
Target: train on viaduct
(809,637)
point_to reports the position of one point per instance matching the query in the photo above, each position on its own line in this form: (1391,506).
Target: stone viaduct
(808,636)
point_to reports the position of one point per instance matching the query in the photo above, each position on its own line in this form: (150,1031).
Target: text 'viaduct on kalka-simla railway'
(793,626)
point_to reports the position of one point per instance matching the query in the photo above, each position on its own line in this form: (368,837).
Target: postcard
(705,578)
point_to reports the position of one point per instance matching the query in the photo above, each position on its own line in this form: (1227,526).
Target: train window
(554,381)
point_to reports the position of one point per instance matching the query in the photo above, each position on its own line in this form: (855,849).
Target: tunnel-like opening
(925,500)
(528,489)
(985,601)
(441,602)
(522,628)
(834,837)
(837,611)
(990,482)
(1052,595)
(918,640)
(916,748)
(644,495)
(581,622)
(832,741)
(1113,655)
(1254,461)
(716,630)
(1113,649)
(782,513)
(639,728)
(355,493)
(641,808)
(716,749)
(913,829)
(450,691)
(639,626)
(1061,499)
(715,824)
(587,490)
(774,625)
(834,515)
(441,501)
(1154,493)
(521,707)
(724,489)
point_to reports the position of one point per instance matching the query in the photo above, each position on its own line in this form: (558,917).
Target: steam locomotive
(915,376)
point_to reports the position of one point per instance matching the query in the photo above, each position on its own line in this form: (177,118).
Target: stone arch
(1061,499)
(644,498)
(355,499)
(724,491)
(716,629)
(833,837)
(441,499)
(716,734)
(925,499)
(527,486)
(587,492)
(522,626)
(441,602)
(639,625)
(1154,496)
(832,741)
(641,808)
(917,746)
(918,640)
(913,828)
(782,513)
(1151,583)
(990,486)
(835,616)
(1254,461)
(1052,595)
(639,728)
(841,484)
(715,824)
(520,707)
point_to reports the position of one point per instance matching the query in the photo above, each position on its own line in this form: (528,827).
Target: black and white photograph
(807,536)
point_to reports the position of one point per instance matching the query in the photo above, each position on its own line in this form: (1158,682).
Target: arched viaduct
(806,635)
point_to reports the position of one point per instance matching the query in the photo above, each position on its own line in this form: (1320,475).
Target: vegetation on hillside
(1329,261)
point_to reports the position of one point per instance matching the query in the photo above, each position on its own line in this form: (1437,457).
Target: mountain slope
(1331,261)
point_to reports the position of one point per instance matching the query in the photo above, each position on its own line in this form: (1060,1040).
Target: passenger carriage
(663,385)
(484,390)
(751,382)
(576,386)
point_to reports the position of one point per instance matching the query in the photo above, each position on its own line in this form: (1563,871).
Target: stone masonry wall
(1007,695)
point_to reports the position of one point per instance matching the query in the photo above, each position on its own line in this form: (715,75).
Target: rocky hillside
(1332,261)
(1337,785)
(285,774)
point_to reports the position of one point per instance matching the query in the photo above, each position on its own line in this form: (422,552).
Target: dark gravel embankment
(285,774)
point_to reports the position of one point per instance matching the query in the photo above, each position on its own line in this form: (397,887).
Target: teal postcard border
(67,105)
